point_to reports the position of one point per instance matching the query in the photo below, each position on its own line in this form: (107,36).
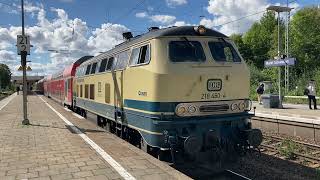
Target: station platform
(59,144)
(294,112)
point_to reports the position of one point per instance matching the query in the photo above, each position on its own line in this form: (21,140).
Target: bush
(288,149)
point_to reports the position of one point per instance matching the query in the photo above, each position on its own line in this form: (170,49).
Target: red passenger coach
(59,86)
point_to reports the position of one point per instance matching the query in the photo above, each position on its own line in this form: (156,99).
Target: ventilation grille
(214,108)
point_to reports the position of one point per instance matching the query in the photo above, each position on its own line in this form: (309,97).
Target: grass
(288,149)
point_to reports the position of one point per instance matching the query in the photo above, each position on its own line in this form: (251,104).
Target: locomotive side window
(103,65)
(223,52)
(186,51)
(88,69)
(134,56)
(140,55)
(122,60)
(93,68)
(110,63)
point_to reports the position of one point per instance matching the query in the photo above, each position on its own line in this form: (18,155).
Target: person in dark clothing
(312,94)
(18,89)
(260,91)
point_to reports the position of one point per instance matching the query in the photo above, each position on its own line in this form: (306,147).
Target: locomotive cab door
(121,61)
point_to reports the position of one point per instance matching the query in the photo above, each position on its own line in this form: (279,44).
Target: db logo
(214,84)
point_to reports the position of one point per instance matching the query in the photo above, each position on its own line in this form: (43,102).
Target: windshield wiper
(190,43)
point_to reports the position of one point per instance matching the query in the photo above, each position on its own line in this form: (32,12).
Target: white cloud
(172,3)
(228,10)
(163,19)
(158,18)
(60,33)
(225,11)
(7,57)
(141,14)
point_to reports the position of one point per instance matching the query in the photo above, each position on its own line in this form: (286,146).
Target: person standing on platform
(260,91)
(312,94)
(18,89)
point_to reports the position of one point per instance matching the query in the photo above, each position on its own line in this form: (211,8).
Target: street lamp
(279,9)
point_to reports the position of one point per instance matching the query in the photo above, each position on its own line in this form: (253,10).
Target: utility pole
(24,66)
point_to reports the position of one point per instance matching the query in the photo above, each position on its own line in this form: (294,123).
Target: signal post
(23,47)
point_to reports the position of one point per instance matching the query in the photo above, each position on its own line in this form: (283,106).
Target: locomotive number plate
(214,84)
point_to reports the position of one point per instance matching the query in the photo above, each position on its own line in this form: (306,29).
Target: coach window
(91,91)
(140,55)
(93,68)
(109,64)
(103,65)
(86,91)
(223,52)
(88,69)
(81,91)
(186,51)
(77,91)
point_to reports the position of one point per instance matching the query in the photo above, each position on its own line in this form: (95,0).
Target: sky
(74,28)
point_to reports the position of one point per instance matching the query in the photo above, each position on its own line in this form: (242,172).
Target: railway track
(297,151)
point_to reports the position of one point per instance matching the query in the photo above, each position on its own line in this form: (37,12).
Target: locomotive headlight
(192,109)
(234,107)
(248,104)
(242,106)
(180,110)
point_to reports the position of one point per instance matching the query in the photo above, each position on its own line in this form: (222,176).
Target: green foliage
(259,43)
(305,37)
(259,39)
(288,148)
(5,76)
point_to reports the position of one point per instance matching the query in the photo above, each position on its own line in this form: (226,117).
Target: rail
(305,152)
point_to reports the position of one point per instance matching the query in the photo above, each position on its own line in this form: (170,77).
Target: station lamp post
(279,9)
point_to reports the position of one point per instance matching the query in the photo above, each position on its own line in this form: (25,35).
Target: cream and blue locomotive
(178,89)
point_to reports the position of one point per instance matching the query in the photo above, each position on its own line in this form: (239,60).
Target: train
(173,92)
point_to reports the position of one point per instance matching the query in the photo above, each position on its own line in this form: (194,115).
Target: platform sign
(281,62)
(23,44)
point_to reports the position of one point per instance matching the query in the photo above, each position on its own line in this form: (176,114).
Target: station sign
(23,44)
(280,62)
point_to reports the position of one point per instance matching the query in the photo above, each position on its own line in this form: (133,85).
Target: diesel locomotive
(182,90)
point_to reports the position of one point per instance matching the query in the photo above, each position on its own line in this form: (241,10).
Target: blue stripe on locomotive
(151,126)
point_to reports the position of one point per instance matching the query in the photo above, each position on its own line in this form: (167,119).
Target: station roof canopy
(29,78)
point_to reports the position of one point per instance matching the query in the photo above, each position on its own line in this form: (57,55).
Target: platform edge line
(125,174)
(10,99)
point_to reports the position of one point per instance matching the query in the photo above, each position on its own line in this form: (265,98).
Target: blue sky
(81,27)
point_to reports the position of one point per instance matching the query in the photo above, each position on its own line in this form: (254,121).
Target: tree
(259,39)
(305,38)
(243,48)
(5,75)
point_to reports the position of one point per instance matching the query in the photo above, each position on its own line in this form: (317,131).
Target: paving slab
(48,149)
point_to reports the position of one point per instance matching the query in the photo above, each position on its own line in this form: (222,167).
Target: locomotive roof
(165,32)
(172,31)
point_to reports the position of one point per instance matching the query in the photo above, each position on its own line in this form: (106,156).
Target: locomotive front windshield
(223,52)
(186,51)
